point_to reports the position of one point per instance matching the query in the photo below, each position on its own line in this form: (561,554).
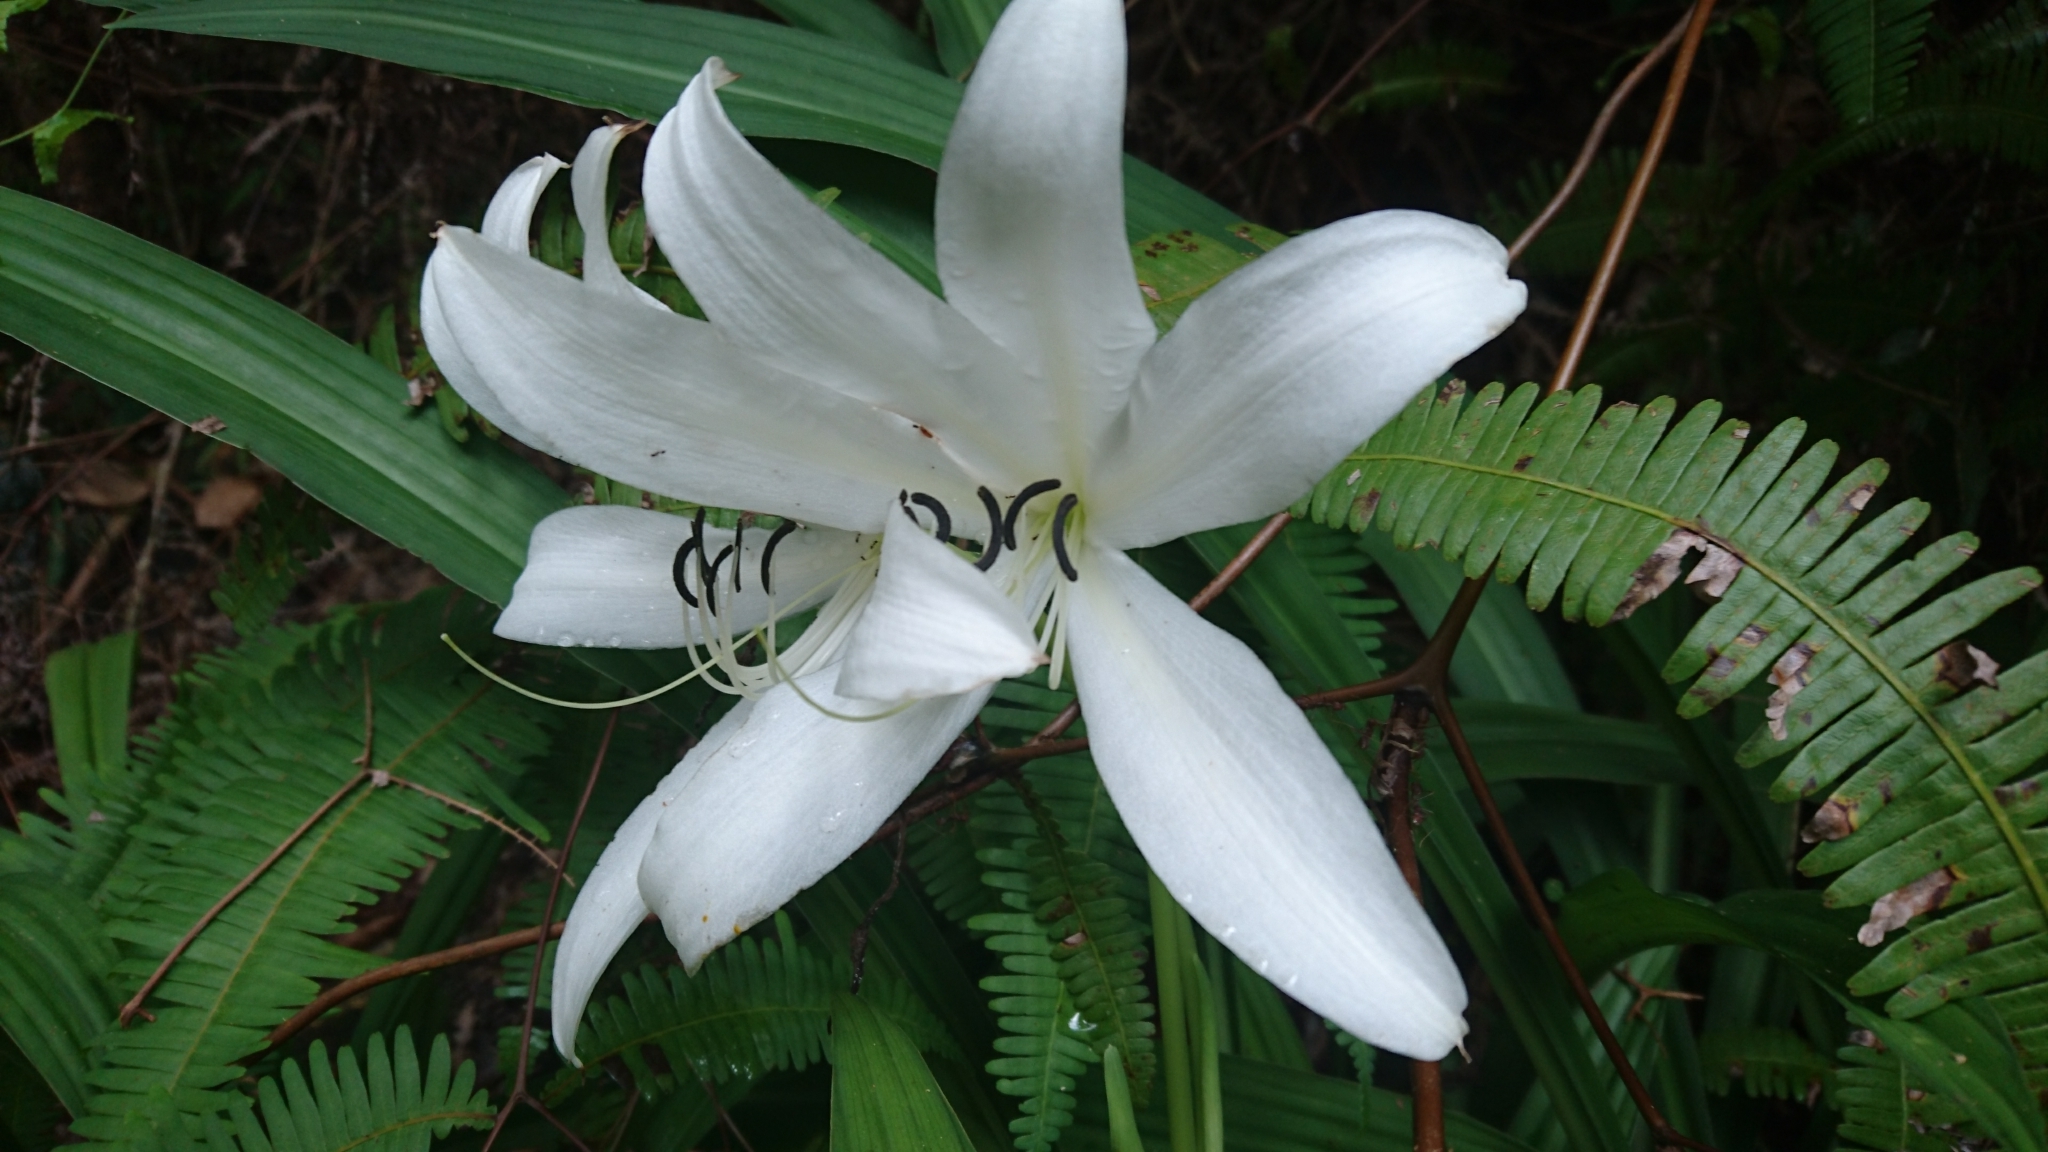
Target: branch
(1632,204)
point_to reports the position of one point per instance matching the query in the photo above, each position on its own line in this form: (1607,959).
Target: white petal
(793,793)
(589,182)
(1248,820)
(602,576)
(935,625)
(1288,364)
(508,222)
(608,905)
(659,400)
(1030,214)
(784,281)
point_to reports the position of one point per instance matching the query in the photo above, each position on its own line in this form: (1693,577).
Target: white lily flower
(828,386)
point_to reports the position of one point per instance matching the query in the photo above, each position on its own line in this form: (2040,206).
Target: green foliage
(54,996)
(12,8)
(883,1096)
(1866,49)
(267,562)
(1772,1062)
(50,136)
(1883,1107)
(390,1104)
(1441,71)
(755,1007)
(237,765)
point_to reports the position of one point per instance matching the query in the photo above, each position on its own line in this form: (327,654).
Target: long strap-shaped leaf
(636,58)
(195,344)
(1606,506)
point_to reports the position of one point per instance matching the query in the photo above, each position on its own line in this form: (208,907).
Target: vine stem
(1393,773)
(1632,203)
(1595,135)
(547,918)
(76,87)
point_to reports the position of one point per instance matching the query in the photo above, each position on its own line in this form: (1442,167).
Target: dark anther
(703,552)
(768,553)
(994,547)
(931,504)
(1030,493)
(1059,534)
(711,580)
(680,572)
(739,553)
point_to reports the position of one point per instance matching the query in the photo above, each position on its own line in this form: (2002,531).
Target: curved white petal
(659,400)
(1248,820)
(589,183)
(788,797)
(608,905)
(602,576)
(1288,364)
(935,625)
(508,222)
(1030,214)
(786,282)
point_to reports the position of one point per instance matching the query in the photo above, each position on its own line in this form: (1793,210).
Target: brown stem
(1392,774)
(1591,147)
(859,943)
(1638,188)
(134,1004)
(547,917)
(1307,120)
(525,841)
(1661,1131)
(398,970)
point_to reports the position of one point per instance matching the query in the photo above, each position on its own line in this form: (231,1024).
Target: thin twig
(859,944)
(159,485)
(398,970)
(134,1004)
(83,437)
(69,97)
(1591,147)
(77,466)
(380,779)
(1307,120)
(1632,204)
(74,595)
(547,917)
(725,1117)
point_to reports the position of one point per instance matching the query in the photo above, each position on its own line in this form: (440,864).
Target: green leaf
(256,743)
(1615,916)
(1771,1062)
(636,58)
(10,8)
(856,22)
(1527,742)
(1866,49)
(961,27)
(88,686)
(50,135)
(883,1097)
(195,344)
(54,996)
(387,1104)
(1445,71)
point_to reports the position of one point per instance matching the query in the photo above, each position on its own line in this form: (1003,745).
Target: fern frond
(242,764)
(1867,49)
(1444,71)
(1882,1108)
(755,1007)
(1771,1062)
(54,998)
(1873,681)
(1040,1054)
(388,1105)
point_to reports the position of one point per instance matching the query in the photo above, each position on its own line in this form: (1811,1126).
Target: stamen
(711,581)
(1059,534)
(994,547)
(768,553)
(944,521)
(1030,493)
(738,527)
(577,704)
(681,574)
(703,553)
